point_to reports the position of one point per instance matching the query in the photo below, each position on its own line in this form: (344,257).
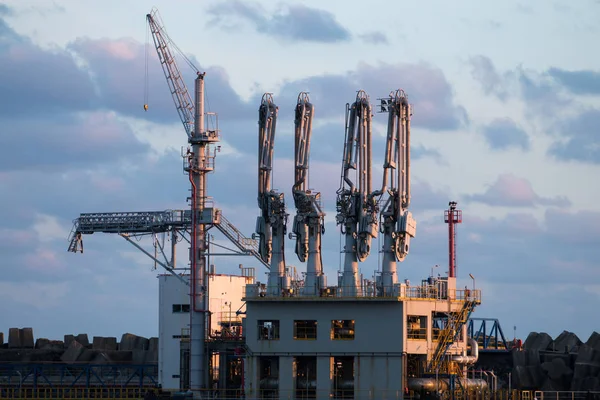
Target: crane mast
(356,205)
(397,223)
(199,162)
(271,224)
(309,220)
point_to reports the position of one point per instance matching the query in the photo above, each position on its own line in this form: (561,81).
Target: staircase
(450,333)
(246,245)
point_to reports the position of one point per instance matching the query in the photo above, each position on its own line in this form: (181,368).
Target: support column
(324,377)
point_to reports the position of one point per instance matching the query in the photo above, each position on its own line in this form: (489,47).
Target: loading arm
(397,224)
(309,220)
(271,223)
(356,207)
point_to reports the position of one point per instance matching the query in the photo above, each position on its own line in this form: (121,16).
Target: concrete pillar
(251,377)
(222,370)
(286,378)
(324,377)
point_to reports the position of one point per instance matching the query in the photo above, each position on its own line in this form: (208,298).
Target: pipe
(193,245)
(470,359)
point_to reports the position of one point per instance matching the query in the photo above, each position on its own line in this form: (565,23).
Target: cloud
(39,82)
(85,139)
(485,73)
(504,133)
(580,138)
(420,152)
(374,37)
(426,87)
(294,22)
(582,82)
(512,191)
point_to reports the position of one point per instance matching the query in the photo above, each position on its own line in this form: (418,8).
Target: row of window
(341,329)
(181,308)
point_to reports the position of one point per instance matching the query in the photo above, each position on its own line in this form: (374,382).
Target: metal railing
(403,292)
(112,393)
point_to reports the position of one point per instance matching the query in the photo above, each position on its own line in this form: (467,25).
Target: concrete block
(98,343)
(519,357)
(87,355)
(538,341)
(41,343)
(153,344)
(151,357)
(14,338)
(27,341)
(565,342)
(533,357)
(82,338)
(594,340)
(129,341)
(68,340)
(111,343)
(101,358)
(522,378)
(537,375)
(138,356)
(73,352)
(1,338)
(119,356)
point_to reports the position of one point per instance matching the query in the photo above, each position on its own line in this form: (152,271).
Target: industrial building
(300,337)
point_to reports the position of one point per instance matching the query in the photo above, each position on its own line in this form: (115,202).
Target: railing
(113,393)
(246,245)
(566,395)
(261,291)
(418,333)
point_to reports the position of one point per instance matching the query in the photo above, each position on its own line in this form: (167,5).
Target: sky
(506,121)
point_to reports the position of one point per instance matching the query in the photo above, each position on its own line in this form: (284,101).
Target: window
(342,329)
(268,330)
(305,329)
(416,327)
(181,308)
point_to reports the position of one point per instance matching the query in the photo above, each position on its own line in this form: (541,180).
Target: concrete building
(225,298)
(334,346)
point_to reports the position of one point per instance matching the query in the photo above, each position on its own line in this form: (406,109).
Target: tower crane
(396,222)
(271,223)
(309,220)
(356,206)
(200,161)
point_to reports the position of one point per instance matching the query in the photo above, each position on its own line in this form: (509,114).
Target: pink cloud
(512,191)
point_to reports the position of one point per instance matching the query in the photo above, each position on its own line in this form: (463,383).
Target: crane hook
(145,107)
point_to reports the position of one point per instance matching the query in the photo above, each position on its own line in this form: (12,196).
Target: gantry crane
(356,206)
(396,222)
(308,222)
(271,223)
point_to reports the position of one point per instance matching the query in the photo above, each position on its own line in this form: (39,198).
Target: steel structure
(58,375)
(271,223)
(356,207)
(199,160)
(488,334)
(309,220)
(396,222)
(452,216)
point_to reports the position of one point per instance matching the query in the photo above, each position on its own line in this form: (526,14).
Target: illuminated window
(342,329)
